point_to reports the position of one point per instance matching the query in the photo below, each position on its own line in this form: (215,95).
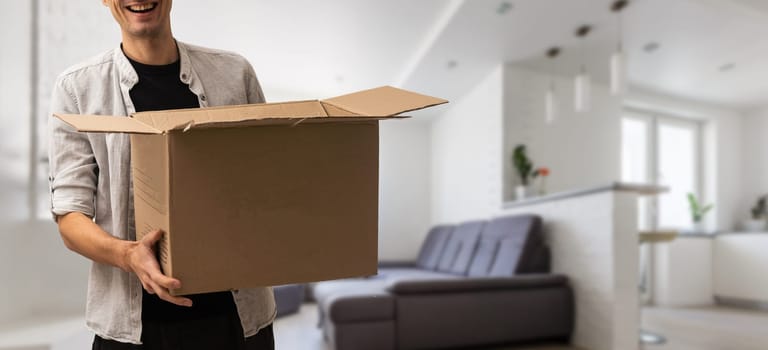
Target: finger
(143,279)
(152,237)
(165,281)
(181,301)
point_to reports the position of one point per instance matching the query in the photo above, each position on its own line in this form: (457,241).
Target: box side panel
(150,169)
(273,205)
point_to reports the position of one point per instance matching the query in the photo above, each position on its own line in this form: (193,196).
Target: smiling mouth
(142,8)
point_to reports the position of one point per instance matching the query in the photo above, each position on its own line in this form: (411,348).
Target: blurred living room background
(644,160)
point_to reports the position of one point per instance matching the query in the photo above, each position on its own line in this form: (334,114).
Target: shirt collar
(185,73)
(128,75)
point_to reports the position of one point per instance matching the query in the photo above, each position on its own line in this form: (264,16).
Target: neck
(153,51)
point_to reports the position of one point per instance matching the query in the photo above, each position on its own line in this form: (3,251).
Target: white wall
(404,191)
(39,277)
(583,149)
(722,151)
(580,149)
(754,159)
(37,274)
(15,102)
(597,250)
(466,154)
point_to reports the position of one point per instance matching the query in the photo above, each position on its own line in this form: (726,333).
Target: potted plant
(697,212)
(524,167)
(757,221)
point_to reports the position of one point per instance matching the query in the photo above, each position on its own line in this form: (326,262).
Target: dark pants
(221,332)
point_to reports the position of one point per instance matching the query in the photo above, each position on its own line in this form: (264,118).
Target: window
(635,153)
(662,150)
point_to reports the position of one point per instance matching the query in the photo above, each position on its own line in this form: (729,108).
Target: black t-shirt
(160,88)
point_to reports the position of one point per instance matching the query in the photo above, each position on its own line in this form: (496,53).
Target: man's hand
(140,259)
(82,235)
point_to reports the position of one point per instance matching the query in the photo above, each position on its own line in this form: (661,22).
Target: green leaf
(522,164)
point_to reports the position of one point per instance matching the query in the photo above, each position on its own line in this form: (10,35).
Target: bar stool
(651,237)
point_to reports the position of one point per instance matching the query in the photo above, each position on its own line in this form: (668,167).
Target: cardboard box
(260,195)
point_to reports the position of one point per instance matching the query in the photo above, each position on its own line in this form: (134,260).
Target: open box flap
(99,123)
(374,104)
(228,116)
(383,101)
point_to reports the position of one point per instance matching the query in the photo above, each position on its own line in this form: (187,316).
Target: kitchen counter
(640,189)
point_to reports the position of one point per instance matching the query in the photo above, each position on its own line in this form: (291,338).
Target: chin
(144,31)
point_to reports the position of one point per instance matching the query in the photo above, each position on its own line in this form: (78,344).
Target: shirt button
(184,77)
(202,97)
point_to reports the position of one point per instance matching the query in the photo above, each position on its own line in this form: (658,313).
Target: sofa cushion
(324,290)
(359,306)
(374,284)
(508,245)
(288,298)
(433,247)
(460,248)
(391,274)
(507,257)
(484,257)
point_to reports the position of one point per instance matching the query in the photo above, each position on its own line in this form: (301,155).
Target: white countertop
(642,189)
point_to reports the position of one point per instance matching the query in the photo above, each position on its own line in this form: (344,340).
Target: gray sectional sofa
(288,298)
(474,284)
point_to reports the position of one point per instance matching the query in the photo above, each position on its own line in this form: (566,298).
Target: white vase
(698,227)
(541,186)
(523,192)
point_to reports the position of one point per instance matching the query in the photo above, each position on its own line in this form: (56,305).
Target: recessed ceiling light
(651,47)
(727,67)
(451,64)
(504,7)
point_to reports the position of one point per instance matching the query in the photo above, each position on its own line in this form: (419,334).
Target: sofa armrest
(397,263)
(465,285)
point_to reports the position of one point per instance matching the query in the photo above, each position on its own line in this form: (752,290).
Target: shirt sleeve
(254,93)
(72,165)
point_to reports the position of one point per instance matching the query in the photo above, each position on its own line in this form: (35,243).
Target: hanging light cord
(581,33)
(552,53)
(617,7)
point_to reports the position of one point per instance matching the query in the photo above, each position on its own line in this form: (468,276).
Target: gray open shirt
(90,172)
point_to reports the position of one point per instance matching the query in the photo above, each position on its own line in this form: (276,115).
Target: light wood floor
(705,328)
(708,328)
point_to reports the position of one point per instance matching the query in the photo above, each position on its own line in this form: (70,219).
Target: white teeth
(141,7)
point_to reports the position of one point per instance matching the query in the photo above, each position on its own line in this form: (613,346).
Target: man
(128,304)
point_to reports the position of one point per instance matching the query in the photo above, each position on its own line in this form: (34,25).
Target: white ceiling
(479,39)
(310,49)
(696,38)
